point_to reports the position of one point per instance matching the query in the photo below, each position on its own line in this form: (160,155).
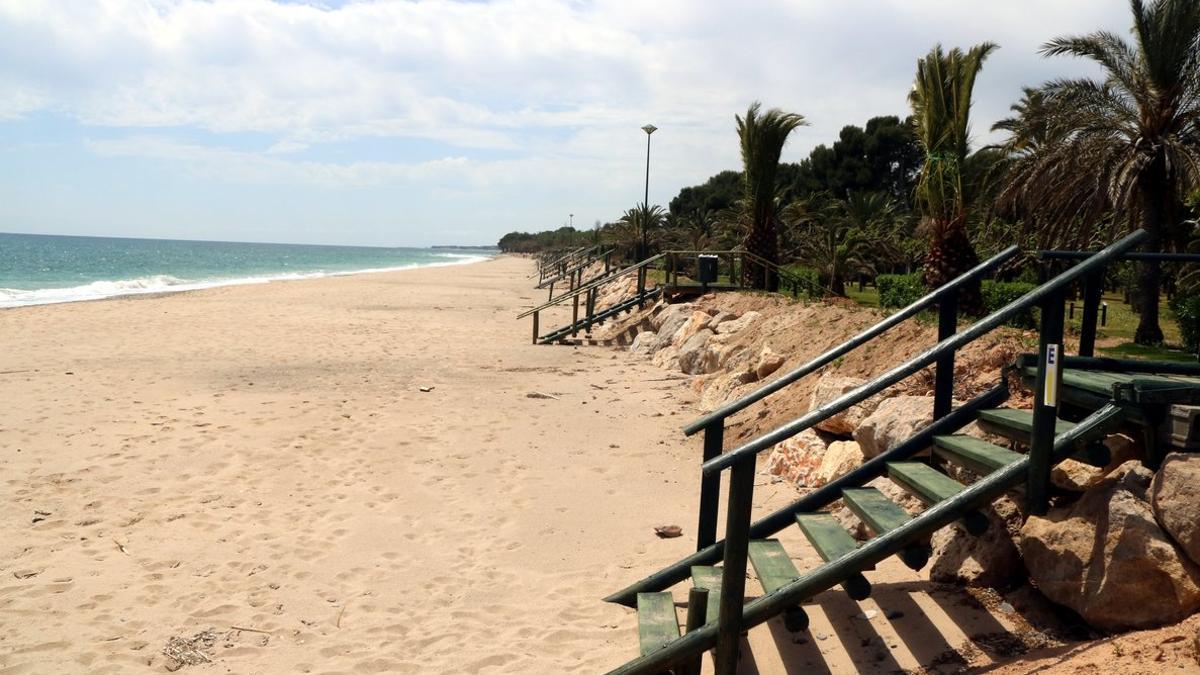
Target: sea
(43,269)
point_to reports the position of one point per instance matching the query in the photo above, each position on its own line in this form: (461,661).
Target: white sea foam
(163,283)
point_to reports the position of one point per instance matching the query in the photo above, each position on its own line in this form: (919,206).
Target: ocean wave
(165,283)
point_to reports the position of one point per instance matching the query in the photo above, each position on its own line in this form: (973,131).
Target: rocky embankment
(1120,547)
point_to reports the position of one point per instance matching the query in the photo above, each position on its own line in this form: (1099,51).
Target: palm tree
(1132,138)
(831,236)
(941,105)
(762,136)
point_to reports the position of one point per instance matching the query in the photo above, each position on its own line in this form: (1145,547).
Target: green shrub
(997,294)
(1187,317)
(899,290)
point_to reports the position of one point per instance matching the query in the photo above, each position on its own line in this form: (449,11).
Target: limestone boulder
(1076,476)
(892,422)
(797,459)
(643,343)
(740,323)
(665,356)
(768,362)
(1106,557)
(853,525)
(831,387)
(722,388)
(1175,496)
(991,559)
(719,318)
(670,317)
(839,458)
(692,354)
(694,324)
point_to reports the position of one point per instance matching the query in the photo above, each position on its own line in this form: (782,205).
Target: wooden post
(551,292)
(1045,404)
(710,487)
(697,612)
(733,574)
(575,315)
(943,387)
(535,327)
(1093,289)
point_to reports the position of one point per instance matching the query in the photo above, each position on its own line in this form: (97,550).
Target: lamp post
(649,129)
(572,221)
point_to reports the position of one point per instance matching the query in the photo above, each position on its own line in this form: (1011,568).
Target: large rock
(692,353)
(670,320)
(894,420)
(797,458)
(1175,496)
(768,362)
(829,388)
(839,458)
(665,356)
(722,388)
(739,323)
(643,343)
(1076,476)
(1106,557)
(694,324)
(990,559)
(720,318)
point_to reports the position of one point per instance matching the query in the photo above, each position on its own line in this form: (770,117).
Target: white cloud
(557,89)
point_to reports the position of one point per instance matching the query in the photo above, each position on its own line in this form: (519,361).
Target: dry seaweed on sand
(190,651)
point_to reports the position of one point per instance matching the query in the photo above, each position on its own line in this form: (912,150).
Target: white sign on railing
(1050,386)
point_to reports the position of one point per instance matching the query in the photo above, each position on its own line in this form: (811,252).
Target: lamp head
(649,129)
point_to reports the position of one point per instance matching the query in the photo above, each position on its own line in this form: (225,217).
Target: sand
(252,478)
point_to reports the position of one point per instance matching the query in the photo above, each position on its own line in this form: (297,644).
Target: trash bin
(708,268)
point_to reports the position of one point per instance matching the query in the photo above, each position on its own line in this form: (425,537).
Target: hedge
(1187,316)
(901,290)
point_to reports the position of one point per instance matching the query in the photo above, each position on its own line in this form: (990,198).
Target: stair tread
(772,564)
(826,535)
(709,578)
(925,482)
(1020,420)
(973,453)
(879,513)
(658,623)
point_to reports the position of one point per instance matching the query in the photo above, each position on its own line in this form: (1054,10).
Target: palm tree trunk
(950,255)
(763,243)
(1154,197)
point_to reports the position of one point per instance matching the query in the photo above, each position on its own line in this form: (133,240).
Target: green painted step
(772,564)
(831,542)
(932,486)
(709,578)
(923,481)
(1018,425)
(775,570)
(881,515)
(658,623)
(971,453)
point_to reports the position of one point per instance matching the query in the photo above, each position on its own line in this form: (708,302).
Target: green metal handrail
(925,358)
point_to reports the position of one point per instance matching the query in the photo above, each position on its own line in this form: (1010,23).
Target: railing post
(641,286)
(733,574)
(710,487)
(1093,290)
(943,387)
(551,292)
(1045,404)
(575,315)
(697,613)
(535,327)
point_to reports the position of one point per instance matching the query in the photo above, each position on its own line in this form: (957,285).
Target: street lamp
(572,221)
(649,129)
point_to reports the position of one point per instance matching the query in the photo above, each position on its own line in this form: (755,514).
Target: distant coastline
(45,269)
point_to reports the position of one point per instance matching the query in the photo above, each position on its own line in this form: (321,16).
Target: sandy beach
(263,457)
(260,466)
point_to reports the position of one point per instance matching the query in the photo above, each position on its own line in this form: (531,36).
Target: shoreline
(193,286)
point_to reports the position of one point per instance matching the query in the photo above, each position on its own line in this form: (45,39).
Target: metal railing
(734,616)
(713,424)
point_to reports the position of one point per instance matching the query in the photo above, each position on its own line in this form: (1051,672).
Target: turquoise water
(40,269)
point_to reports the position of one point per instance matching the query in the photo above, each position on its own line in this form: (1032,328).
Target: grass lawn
(1119,326)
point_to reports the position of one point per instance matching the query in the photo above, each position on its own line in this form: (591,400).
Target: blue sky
(413,123)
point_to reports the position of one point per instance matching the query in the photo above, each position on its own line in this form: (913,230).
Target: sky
(414,123)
